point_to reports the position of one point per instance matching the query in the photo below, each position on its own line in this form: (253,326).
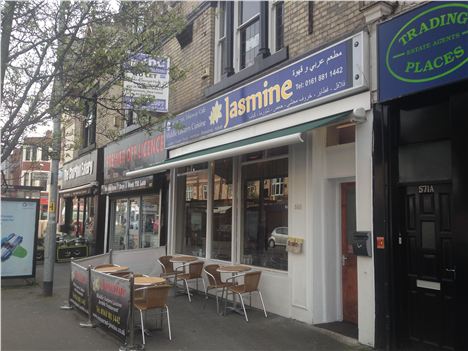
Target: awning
(79,190)
(287,136)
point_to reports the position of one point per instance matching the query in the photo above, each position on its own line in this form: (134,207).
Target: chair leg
(204,285)
(188,290)
(261,299)
(243,307)
(168,323)
(142,326)
(217,301)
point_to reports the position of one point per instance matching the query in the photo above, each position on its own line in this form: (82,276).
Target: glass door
(150,219)
(134,224)
(119,224)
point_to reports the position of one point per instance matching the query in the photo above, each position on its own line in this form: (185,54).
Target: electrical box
(362,244)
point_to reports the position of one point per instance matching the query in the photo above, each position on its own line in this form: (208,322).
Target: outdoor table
(112,269)
(234,269)
(146,281)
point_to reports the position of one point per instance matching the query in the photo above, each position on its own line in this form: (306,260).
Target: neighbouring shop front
(81,212)
(421,178)
(136,206)
(267,175)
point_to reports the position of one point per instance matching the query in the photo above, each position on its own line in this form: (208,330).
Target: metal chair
(155,296)
(214,282)
(167,268)
(251,281)
(194,273)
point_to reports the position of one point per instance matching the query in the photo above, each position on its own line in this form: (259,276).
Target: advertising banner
(110,302)
(19,222)
(147,90)
(79,287)
(423,49)
(322,76)
(138,150)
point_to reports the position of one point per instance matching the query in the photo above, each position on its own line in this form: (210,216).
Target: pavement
(31,321)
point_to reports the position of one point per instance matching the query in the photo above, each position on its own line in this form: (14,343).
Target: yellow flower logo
(215,113)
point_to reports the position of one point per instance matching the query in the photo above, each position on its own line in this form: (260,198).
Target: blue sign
(423,49)
(309,80)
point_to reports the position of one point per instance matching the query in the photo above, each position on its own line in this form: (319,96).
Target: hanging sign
(331,73)
(423,49)
(146,83)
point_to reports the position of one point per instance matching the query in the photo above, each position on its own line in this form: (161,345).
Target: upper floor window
(45,153)
(239,36)
(27,153)
(26,179)
(89,124)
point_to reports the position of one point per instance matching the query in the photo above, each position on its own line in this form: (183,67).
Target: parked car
(279,236)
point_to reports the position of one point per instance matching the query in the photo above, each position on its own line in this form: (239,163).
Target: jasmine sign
(423,49)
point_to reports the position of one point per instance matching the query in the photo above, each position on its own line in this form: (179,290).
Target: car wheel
(271,243)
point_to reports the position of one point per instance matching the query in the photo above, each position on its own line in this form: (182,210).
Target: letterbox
(362,244)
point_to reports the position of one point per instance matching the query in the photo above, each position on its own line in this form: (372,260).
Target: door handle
(453,271)
(343,260)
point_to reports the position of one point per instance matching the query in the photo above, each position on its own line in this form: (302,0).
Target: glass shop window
(191,209)
(222,210)
(265,212)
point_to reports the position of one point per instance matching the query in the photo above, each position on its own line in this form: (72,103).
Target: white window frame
(236,50)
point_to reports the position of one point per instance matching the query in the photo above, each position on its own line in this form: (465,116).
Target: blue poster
(19,218)
(310,79)
(423,49)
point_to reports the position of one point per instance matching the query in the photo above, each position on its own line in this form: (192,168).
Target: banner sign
(325,75)
(135,151)
(128,185)
(79,290)
(149,90)
(423,49)
(110,302)
(81,171)
(19,221)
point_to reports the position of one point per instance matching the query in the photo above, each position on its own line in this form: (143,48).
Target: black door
(428,272)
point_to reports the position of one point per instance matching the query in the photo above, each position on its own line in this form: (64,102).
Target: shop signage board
(79,287)
(81,171)
(331,73)
(148,90)
(110,302)
(19,223)
(138,150)
(423,49)
(128,185)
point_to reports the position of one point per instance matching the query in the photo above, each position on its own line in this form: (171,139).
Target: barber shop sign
(422,49)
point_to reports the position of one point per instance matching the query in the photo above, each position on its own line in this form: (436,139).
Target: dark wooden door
(428,272)
(349,260)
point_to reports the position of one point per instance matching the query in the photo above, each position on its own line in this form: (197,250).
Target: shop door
(134,223)
(349,260)
(428,274)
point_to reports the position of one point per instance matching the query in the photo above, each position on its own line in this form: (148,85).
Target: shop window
(150,219)
(43,212)
(191,223)
(119,224)
(341,134)
(222,210)
(265,209)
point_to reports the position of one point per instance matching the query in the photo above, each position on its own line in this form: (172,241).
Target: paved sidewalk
(31,321)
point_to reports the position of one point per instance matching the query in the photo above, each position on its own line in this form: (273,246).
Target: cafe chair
(155,298)
(167,266)
(251,281)
(214,282)
(194,273)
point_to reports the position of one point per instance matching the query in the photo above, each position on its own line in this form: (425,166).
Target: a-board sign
(19,223)
(79,287)
(110,302)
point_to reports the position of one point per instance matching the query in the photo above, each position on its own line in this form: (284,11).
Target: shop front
(81,211)
(420,170)
(135,210)
(276,175)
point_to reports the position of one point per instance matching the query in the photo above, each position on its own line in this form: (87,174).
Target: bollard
(66,305)
(131,345)
(89,323)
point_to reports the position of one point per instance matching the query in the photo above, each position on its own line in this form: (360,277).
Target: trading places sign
(423,49)
(110,302)
(148,90)
(79,287)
